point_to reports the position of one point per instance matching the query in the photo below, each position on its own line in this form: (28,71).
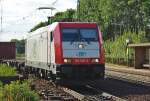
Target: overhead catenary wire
(35,10)
(33,13)
(1,4)
(54,2)
(26,18)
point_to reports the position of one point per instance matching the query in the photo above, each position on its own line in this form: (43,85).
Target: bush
(17,91)
(7,70)
(117,49)
(1,91)
(20,56)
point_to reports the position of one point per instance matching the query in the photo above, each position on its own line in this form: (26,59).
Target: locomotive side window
(51,36)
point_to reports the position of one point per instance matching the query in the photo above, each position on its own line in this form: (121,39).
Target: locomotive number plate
(81,54)
(81,60)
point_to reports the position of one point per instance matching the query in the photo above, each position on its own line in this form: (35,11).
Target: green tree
(20,45)
(113,16)
(68,15)
(116,16)
(41,24)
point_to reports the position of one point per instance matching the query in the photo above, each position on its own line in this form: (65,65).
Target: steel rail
(128,77)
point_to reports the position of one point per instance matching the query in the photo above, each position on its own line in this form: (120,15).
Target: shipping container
(7,50)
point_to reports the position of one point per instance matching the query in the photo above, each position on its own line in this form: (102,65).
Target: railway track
(50,92)
(92,93)
(123,91)
(129,76)
(103,96)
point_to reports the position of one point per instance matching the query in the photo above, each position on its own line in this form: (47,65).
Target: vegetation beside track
(116,50)
(20,56)
(20,45)
(7,70)
(16,91)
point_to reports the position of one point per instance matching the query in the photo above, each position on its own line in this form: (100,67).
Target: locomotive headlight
(95,60)
(81,46)
(67,60)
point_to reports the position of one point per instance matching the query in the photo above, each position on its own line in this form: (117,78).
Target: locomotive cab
(82,56)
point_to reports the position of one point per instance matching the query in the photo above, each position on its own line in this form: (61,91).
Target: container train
(66,51)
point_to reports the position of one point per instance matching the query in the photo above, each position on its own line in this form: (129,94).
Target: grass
(16,91)
(7,70)
(117,49)
(20,56)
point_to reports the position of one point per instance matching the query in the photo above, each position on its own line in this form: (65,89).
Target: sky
(19,16)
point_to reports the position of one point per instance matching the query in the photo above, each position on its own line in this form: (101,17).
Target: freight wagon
(66,51)
(7,50)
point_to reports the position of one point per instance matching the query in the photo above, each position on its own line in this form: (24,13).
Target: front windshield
(79,35)
(70,35)
(88,34)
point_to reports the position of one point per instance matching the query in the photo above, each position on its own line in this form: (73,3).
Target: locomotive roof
(79,22)
(43,29)
(52,27)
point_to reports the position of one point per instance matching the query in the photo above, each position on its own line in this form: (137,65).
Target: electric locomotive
(66,51)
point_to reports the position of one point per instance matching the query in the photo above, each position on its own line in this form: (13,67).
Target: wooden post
(139,57)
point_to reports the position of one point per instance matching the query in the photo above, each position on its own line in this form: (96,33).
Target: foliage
(118,48)
(20,45)
(89,11)
(116,15)
(113,16)
(1,91)
(7,71)
(20,56)
(17,91)
(41,24)
(59,16)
